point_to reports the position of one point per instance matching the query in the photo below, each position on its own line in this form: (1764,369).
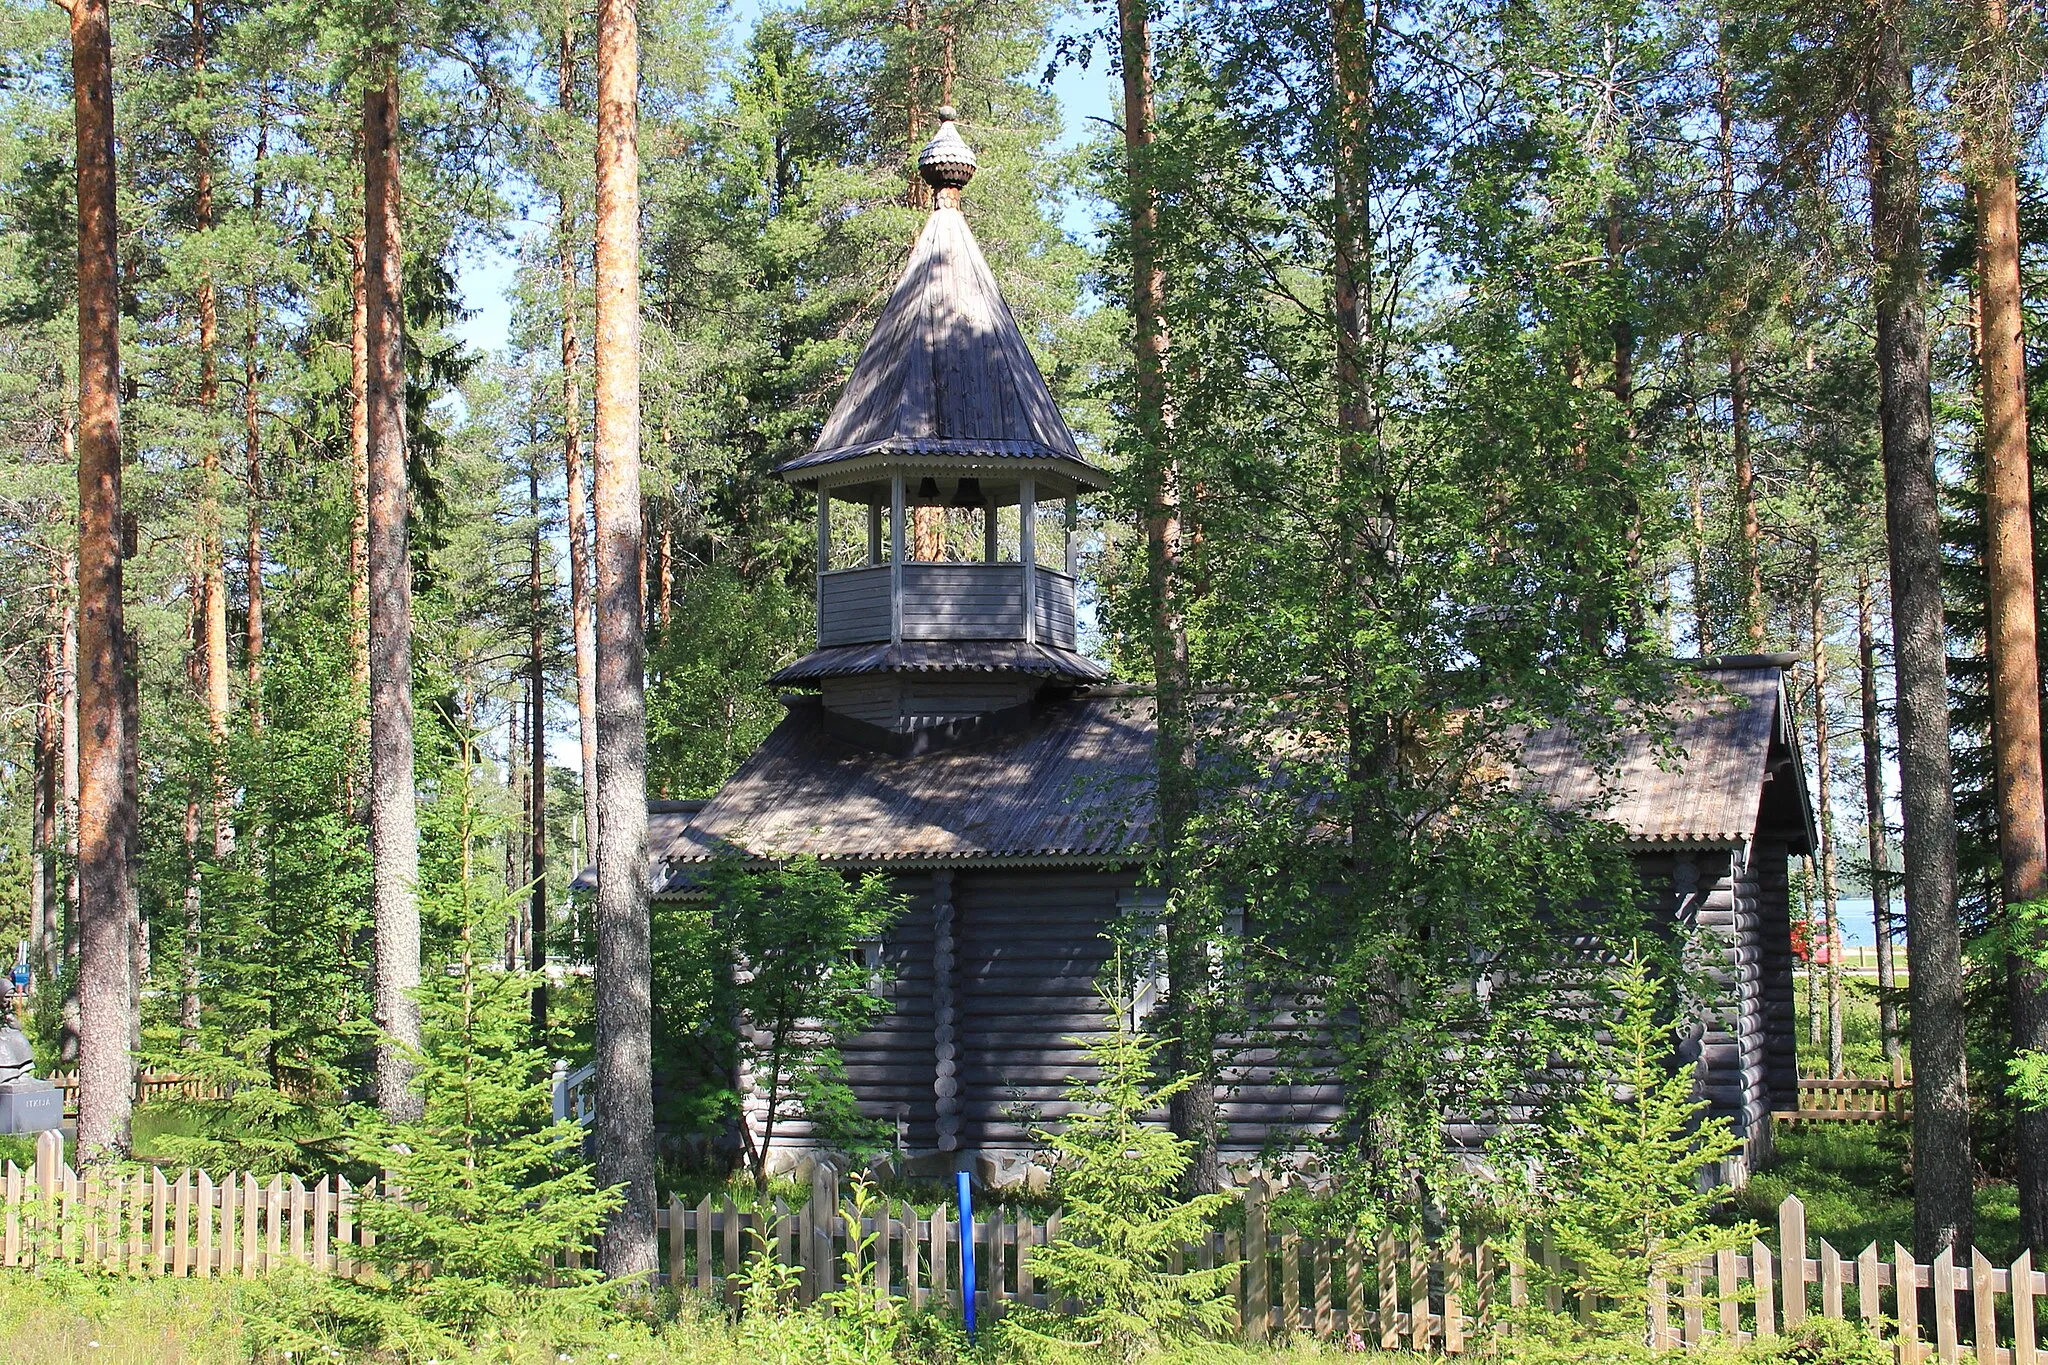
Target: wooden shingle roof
(1076,786)
(946,373)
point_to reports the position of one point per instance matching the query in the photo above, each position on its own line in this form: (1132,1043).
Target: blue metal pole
(967,1253)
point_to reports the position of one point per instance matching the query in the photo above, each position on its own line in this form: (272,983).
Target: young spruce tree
(1117,1179)
(484,1187)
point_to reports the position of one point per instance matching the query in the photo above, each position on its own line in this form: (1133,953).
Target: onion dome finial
(947,162)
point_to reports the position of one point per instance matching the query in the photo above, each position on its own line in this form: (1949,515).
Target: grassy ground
(1852,1179)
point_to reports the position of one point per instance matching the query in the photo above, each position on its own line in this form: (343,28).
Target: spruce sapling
(485,1195)
(1117,1178)
(1623,1177)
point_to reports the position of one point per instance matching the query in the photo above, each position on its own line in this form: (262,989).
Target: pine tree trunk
(583,629)
(45,897)
(359,461)
(1751,541)
(1191,1047)
(2011,609)
(213,593)
(1943,1168)
(252,443)
(1874,821)
(67,1032)
(394,819)
(106,816)
(1824,779)
(537,764)
(625,1081)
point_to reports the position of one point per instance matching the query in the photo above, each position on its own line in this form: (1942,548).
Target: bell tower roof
(946,378)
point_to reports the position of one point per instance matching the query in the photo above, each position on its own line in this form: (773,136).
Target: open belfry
(944,426)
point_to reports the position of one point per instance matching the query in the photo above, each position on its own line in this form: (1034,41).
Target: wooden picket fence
(1444,1294)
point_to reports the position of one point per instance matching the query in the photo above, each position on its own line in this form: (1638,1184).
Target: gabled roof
(946,373)
(1076,786)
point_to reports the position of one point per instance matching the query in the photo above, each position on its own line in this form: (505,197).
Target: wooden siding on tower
(853,606)
(963,602)
(1055,608)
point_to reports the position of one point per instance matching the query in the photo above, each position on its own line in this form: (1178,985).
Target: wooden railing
(1432,1295)
(149,1085)
(1853,1099)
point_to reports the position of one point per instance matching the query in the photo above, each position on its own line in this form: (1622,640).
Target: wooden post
(824,535)
(678,1244)
(1830,1281)
(297,1248)
(1725,1282)
(1073,550)
(1390,1295)
(1258,1295)
(940,1263)
(732,1251)
(1027,550)
(1354,1286)
(1792,1258)
(323,1213)
(1906,1297)
(1946,1344)
(913,1234)
(1985,1302)
(252,1205)
(203,1262)
(1868,1306)
(1290,1282)
(159,1210)
(704,1246)
(344,1228)
(874,533)
(1766,1295)
(2024,1351)
(1694,1309)
(273,1224)
(991,543)
(896,532)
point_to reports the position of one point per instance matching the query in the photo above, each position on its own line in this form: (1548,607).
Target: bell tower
(946,485)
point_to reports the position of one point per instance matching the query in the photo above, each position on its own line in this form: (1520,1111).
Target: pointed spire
(947,162)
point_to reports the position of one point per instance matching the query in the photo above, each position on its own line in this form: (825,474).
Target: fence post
(1906,1284)
(2023,1310)
(1945,1343)
(1792,1259)
(1258,1294)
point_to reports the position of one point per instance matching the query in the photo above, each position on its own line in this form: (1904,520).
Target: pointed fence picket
(1441,1293)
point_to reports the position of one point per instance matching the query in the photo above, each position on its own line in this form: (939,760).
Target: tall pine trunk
(394,818)
(625,1080)
(1943,1169)
(1874,821)
(537,762)
(2010,606)
(1824,780)
(252,440)
(1750,543)
(106,700)
(1191,1046)
(583,629)
(359,462)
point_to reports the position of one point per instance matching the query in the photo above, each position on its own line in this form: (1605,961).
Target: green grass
(1862,1039)
(1853,1179)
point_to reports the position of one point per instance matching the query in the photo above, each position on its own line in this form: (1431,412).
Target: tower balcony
(946,601)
